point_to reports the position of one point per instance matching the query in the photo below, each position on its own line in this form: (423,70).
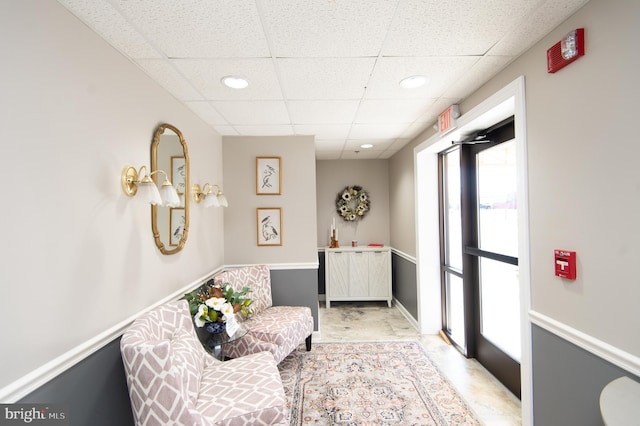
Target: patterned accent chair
(173,380)
(277,329)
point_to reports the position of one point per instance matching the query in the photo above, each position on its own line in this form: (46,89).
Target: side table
(214,344)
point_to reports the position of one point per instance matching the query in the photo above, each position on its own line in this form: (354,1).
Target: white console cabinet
(358,273)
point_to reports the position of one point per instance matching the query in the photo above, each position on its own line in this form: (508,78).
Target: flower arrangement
(212,303)
(352,203)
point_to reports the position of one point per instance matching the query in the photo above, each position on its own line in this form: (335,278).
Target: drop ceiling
(328,68)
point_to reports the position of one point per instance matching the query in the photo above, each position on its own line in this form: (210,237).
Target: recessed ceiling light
(413,82)
(366,145)
(234,82)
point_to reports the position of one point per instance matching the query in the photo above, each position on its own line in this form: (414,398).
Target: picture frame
(269,226)
(268,176)
(176,225)
(178,175)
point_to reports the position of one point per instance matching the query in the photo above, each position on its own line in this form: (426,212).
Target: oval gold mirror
(169,152)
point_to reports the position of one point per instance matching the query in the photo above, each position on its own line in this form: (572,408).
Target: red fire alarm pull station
(567,50)
(565,264)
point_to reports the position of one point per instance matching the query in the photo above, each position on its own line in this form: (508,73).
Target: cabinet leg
(389,302)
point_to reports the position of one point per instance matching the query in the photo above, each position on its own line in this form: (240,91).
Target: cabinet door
(338,275)
(379,274)
(358,274)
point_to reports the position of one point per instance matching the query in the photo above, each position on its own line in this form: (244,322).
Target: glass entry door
(488,276)
(492,253)
(454,315)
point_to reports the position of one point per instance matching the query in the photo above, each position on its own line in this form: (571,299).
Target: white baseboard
(604,350)
(406,314)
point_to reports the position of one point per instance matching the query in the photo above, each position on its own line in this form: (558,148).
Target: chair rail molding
(43,374)
(278,266)
(403,255)
(604,350)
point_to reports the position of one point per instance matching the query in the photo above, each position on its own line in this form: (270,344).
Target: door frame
(508,101)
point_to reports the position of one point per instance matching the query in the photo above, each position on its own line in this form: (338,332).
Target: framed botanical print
(269,226)
(268,176)
(176,225)
(178,175)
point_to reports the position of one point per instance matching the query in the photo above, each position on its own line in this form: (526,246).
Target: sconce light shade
(146,188)
(208,196)
(169,195)
(222,199)
(148,191)
(210,200)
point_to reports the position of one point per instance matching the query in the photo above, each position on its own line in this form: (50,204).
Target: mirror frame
(154,209)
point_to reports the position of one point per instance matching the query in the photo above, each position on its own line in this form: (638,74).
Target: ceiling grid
(328,68)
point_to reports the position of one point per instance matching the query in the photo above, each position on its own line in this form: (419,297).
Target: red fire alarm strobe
(567,50)
(565,264)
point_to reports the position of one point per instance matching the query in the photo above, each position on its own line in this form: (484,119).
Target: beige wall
(402,198)
(297,200)
(584,189)
(78,256)
(332,178)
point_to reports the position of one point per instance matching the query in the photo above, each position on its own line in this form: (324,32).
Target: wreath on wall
(352,203)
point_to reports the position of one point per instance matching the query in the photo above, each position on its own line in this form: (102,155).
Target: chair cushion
(279,330)
(243,391)
(280,324)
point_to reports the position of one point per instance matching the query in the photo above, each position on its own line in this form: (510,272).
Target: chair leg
(307,341)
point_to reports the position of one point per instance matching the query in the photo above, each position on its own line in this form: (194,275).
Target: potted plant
(211,305)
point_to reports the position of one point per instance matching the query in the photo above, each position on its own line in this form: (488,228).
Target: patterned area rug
(370,383)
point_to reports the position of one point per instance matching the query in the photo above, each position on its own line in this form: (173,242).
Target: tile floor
(368,321)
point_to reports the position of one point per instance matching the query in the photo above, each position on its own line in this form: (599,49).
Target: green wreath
(352,203)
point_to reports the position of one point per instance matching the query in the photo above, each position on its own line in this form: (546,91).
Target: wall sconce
(208,196)
(145,187)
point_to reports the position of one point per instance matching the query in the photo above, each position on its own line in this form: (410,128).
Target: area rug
(370,383)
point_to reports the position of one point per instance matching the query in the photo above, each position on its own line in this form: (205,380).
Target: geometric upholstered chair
(277,329)
(173,380)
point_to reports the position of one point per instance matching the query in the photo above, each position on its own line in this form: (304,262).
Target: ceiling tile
(328,155)
(170,78)
(387,154)
(266,130)
(414,130)
(323,112)
(482,71)
(226,130)
(322,132)
(325,78)
(391,110)
(199,28)
(360,155)
(252,113)
(329,144)
(340,28)
(328,68)
(527,32)
(207,112)
(453,27)
(376,131)
(441,71)
(109,23)
(207,73)
(399,143)
(378,144)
